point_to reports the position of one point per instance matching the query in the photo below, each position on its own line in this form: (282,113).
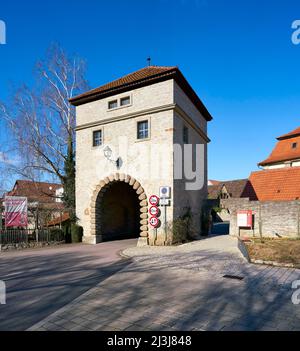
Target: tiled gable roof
(235,188)
(281,184)
(143,77)
(283,151)
(35,191)
(294,133)
(144,73)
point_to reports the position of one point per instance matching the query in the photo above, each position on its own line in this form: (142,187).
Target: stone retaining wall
(31,245)
(271,218)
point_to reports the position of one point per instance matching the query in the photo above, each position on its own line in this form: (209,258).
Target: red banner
(16,212)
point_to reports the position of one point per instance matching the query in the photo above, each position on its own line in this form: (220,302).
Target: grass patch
(275,250)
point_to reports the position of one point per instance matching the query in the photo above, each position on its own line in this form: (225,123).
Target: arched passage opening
(119,212)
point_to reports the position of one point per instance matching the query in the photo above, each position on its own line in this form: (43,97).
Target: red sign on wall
(154,200)
(154,222)
(245,219)
(16,212)
(154,211)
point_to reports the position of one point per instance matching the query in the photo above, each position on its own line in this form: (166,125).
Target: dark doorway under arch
(120,212)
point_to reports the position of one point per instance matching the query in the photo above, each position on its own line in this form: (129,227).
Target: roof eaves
(95,95)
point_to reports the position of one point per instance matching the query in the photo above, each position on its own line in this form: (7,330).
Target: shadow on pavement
(38,286)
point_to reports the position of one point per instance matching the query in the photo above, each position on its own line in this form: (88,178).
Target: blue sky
(238,56)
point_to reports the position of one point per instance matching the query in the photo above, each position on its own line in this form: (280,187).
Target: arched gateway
(119,209)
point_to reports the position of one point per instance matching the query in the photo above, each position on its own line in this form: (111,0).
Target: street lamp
(108,155)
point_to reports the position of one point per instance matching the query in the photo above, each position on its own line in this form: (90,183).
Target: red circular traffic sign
(154,211)
(154,200)
(154,222)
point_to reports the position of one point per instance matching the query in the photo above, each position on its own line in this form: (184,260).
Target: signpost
(163,201)
(165,192)
(154,222)
(154,200)
(154,211)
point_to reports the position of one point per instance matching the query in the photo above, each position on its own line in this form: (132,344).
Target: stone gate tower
(130,140)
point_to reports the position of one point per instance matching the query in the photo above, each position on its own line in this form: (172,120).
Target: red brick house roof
(240,188)
(59,220)
(35,191)
(294,133)
(284,149)
(143,77)
(281,184)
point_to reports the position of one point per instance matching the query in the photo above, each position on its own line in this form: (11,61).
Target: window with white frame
(112,104)
(143,130)
(125,101)
(97,138)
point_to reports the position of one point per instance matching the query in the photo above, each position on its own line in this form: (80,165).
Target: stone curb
(244,251)
(274,263)
(124,256)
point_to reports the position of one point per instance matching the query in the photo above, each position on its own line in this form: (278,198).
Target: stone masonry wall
(276,218)
(149,161)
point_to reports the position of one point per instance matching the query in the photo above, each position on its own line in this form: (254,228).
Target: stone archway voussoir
(142,197)
(132,181)
(144,210)
(136,185)
(122,177)
(140,191)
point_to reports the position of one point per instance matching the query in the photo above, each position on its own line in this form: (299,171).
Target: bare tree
(42,121)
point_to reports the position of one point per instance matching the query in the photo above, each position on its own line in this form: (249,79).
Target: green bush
(206,220)
(178,231)
(76,233)
(67,232)
(57,234)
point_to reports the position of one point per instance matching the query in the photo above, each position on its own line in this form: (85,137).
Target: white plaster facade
(149,161)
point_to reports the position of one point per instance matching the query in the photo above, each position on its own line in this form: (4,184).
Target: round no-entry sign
(154,222)
(154,211)
(154,200)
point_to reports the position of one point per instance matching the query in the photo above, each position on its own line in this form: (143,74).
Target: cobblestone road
(184,289)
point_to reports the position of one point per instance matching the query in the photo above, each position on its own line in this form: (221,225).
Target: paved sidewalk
(186,290)
(41,281)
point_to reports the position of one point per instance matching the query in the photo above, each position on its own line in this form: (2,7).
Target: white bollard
(2,293)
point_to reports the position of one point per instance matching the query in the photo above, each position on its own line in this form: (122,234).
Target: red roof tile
(59,220)
(294,133)
(277,184)
(143,77)
(283,151)
(35,191)
(240,188)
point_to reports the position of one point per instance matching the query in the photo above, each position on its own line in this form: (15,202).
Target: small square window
(185,135)
(294,145)
(97,138)
(125,101)
(113,104)
(143,130)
